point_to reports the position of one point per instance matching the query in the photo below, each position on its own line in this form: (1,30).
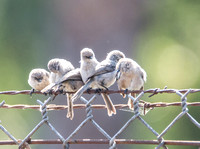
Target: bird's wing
(73,75)
(104,67)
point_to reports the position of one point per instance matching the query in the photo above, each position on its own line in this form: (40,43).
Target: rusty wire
(43,107)
(105,141)
(51,107)
(153,91)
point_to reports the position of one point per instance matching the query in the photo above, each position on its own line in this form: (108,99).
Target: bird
(130,76)
(58,67)
(87,64)
(102,78)
(38,79)
(70,82)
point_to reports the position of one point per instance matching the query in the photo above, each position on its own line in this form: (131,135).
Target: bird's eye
(39,79)
(89,57)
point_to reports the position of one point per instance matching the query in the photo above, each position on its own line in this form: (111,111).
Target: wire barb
(165,90)
(45,106)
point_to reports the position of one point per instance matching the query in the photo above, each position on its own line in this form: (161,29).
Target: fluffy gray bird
(58,68)
(102,78)
(38,79)
(70,82)
(87,64)
(130,76)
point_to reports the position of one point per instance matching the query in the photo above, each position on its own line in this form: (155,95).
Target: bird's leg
(98,90)
(104,87)
(88,90)
(126,91)
(32,91)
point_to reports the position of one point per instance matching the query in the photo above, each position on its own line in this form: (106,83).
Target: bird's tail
(130,101)
(109,105)
(70,111)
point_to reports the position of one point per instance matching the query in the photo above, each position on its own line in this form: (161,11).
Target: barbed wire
(45,106)
(51,107)
(153,91)
(104,141)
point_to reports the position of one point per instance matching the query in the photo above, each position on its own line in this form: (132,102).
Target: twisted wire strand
(51,107)
(152,91)
(112,141)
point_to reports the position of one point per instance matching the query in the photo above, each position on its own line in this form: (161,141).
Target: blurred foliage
(22,44)
(167,47)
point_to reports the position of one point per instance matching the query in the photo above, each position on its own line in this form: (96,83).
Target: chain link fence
(111,140)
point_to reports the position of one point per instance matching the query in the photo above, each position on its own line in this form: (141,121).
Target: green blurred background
(162,36)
